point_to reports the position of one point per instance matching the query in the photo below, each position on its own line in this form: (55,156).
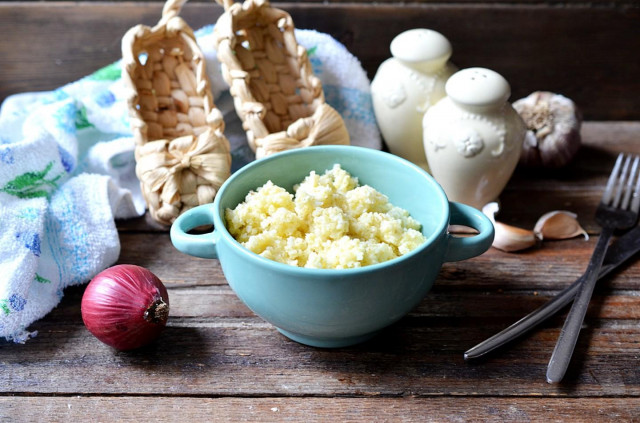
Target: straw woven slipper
(279,100)
(182,155)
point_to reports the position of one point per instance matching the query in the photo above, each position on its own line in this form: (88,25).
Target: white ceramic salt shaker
(473,137)
(406,85)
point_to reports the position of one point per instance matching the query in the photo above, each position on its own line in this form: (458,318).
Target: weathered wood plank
(242,357)
(216,346)
(499,306)
(610,137)
(362,409)
(155,252)
(584,52)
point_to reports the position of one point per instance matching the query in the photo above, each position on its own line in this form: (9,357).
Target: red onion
(125,306)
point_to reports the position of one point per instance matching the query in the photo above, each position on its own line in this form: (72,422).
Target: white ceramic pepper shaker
(473,137)
(406,85)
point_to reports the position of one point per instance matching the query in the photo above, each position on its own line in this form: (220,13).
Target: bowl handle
(462,248)
(198,245)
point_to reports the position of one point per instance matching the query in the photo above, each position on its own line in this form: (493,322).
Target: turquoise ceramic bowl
(332,307)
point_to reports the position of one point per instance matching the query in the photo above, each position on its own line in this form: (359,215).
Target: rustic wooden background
(587,51)
(217,361)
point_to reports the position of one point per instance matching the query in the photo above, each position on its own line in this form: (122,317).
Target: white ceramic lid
(478,87)
(420,45)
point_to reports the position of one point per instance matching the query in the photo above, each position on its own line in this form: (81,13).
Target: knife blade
(621,250)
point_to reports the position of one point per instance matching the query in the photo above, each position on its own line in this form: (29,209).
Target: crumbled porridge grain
(331,223)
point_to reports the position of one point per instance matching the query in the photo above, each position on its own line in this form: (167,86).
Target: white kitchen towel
(67,172)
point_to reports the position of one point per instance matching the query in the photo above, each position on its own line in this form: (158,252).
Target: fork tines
(623,187)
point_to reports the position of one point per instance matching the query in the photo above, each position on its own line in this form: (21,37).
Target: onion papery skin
(125,306)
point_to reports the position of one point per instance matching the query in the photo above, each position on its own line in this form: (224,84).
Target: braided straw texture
(182,155)
(276,95)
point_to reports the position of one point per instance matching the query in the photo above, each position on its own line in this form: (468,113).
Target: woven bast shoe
(182,155)
(276,95)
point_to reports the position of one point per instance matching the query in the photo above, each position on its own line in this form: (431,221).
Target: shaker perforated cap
(420,45)
(478,87)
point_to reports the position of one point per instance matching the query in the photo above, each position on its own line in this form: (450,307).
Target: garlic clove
(553,129)
(559,224)
(490,210)
(508,238)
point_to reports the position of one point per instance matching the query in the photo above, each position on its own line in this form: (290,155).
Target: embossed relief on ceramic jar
(406,85)
(473,137)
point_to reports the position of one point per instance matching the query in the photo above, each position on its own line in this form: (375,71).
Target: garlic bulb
(553,134)
(508,238)
(558,225)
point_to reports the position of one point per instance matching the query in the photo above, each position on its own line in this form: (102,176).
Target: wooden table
(217,361)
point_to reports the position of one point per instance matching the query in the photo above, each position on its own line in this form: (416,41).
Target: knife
(621,250)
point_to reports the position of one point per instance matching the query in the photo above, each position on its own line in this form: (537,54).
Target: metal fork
(618,209)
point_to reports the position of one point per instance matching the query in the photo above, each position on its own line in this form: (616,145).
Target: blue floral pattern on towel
(65,118)
(6,156)
(30,241)
(68,162)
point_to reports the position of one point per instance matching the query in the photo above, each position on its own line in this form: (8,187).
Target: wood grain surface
(278,409)
(217,361)
(585,51)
